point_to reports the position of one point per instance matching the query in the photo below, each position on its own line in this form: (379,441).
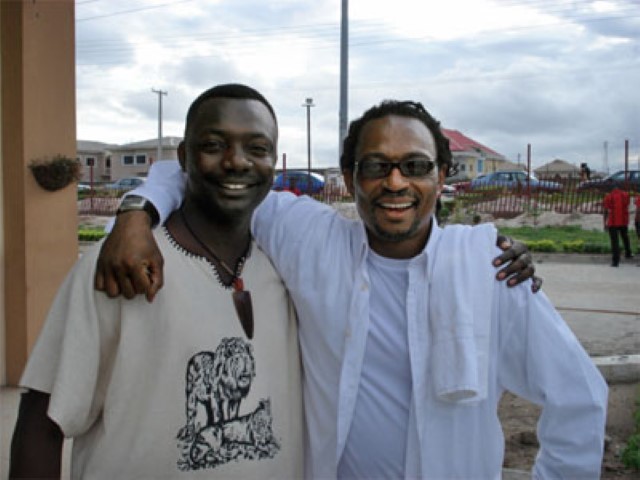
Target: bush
(574,246)
(631,453)
(596,248)
(542,246)
(90,235)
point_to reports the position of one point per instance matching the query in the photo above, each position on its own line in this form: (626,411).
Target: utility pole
(308,103)
(160,94)
(344,75)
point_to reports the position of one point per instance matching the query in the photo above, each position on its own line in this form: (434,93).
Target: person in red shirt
(616,221)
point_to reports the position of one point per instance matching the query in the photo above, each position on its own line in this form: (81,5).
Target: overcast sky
(561,75)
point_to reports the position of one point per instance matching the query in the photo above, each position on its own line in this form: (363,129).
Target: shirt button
(364,287)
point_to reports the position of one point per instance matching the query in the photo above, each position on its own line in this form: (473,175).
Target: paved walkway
(601,304)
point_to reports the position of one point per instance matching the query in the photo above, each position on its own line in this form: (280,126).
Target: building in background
(472,157)
(558,169)
(112,162)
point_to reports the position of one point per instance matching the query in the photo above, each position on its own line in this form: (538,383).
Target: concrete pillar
(38,120)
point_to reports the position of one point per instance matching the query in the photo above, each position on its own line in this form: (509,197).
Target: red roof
(461,143)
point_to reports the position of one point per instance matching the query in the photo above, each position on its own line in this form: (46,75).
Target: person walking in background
(585,172)
(616,220)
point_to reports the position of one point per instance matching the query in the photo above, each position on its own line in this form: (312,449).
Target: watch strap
(132,203)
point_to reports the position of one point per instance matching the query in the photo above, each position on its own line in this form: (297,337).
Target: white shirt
(377,449)
(322,257)
(133,383)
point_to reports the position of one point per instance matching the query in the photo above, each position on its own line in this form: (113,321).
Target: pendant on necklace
(244,308)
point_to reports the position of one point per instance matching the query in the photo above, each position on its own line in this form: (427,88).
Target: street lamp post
(160,93)
(308,103)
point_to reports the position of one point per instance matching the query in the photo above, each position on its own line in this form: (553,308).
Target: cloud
(561,77)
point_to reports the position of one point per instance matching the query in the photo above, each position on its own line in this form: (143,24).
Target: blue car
(125,184)
(298,180)
(511,180)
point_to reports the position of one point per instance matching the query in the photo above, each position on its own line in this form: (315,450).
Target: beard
(397,236)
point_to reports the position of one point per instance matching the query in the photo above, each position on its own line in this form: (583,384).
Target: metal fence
(498,202)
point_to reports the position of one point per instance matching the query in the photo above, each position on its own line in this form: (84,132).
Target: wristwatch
(132,203)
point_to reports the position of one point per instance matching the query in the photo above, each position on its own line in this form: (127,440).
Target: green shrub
(573,246)
(631,453)
(542,246)
(443,215)
(596,248)
(90,235)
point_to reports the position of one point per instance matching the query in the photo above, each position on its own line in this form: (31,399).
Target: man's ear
(442,174)
(182,156)
(348,181)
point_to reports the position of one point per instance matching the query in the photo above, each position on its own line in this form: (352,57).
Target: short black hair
(227,90)
(404,109)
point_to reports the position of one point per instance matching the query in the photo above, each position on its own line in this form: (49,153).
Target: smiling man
(407,343)
(407,340)
(206,381)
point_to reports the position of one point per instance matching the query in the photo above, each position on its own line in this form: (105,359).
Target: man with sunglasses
(407,342)
(189,386)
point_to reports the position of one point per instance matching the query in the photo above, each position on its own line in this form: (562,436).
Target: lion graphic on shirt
(215,433)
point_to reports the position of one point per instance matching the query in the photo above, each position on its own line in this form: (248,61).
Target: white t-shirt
(174,389)
(376,444)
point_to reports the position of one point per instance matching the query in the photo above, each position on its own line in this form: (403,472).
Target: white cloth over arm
(460,321)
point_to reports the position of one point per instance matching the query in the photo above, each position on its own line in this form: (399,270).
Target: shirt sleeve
(289,229)
(72,357)
(541,360)
(164,187)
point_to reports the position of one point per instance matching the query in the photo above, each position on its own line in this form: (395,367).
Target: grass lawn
(565,239)
(538,239)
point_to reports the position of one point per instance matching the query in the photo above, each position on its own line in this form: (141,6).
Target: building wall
(38,120)
(3,375)
(101,172)
(120,170)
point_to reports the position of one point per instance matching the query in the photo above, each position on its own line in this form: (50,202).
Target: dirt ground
(519,418)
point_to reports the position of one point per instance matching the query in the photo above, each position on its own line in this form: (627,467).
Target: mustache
(241,178)
(404,193)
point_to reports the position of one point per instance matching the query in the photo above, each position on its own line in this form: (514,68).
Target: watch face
(132,202)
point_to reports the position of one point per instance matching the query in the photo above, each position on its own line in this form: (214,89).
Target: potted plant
(55,173)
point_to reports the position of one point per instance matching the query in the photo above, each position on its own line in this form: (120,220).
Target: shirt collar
(362,249)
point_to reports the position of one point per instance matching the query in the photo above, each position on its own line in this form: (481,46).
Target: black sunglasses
(410,167)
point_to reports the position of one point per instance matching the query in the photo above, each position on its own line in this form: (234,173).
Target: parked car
(84,187)
(462,186)
(298,180)
(125,184)
(511,179)
(616,179)
(448,191)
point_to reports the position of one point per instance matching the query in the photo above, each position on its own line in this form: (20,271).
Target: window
(90,161)
(480,165)
(462,167)
(137,159)
(107,162)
